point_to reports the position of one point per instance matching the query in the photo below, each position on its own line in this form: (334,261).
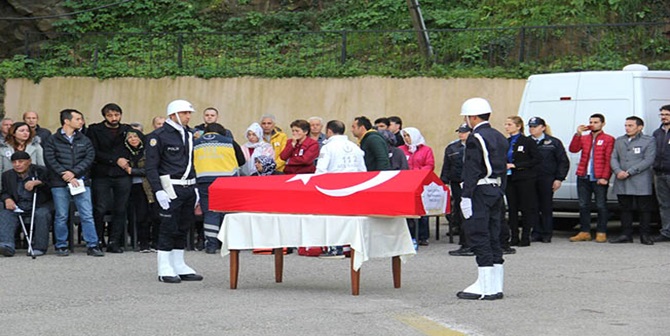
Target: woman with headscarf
(20,138)
(265,165)
(419,157)
(141,197)
(254,147)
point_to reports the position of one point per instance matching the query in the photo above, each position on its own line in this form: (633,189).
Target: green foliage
(341,38)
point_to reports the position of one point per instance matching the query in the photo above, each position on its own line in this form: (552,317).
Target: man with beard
(111,184)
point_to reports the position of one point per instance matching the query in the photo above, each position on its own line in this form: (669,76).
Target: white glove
(466,207)
(163,199)
(197,198)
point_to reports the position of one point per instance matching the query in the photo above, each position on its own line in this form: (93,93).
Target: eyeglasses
(664,115)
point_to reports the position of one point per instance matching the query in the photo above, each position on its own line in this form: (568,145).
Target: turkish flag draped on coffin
(378,193)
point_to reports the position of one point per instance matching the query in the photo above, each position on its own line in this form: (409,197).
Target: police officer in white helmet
(484,169)
(169,169)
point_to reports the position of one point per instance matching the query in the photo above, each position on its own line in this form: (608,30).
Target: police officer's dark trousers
(483,228)
(545,194)
(177,219)
(456,213)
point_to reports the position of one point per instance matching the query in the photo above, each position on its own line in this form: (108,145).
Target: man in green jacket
(372,144)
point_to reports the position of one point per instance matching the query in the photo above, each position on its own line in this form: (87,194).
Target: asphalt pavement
(560,288)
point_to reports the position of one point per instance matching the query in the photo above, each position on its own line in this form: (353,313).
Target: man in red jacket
(593,175)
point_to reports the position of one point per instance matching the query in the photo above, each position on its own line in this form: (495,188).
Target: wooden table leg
(279,264)
(355,276)
(234,267)
(395,266)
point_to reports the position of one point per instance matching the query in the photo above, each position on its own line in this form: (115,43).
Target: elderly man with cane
(25,193)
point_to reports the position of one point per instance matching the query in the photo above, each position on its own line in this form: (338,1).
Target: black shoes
(190,277)
(95,252)
(660,238)
(621,239)
(423,242)
(508,250)
(646,240)
(5,251)
(113,248)
(514,241)
(169,279)
(462,252)
(62,251)
(524,242)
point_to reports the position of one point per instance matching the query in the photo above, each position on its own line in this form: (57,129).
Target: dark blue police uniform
(554,167)
(452,171)
(484,172)
(168,153)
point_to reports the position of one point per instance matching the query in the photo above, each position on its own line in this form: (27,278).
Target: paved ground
(560,288)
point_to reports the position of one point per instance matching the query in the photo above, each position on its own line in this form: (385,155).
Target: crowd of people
(160,180)
(537,164)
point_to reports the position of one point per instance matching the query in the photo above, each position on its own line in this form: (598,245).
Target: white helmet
(179,105)
(475,106)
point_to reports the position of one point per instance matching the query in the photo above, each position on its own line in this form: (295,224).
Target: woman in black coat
(522,161)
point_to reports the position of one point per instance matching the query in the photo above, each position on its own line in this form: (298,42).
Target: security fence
(342,53)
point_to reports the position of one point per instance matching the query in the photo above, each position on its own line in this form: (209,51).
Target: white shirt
(338,154)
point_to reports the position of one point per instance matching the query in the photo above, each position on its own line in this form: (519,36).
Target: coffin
(380,193)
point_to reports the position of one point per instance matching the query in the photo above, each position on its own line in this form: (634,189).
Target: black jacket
(662,162)
(60,155)
(452,166)
(555,163)
(484,139)
(526,158)
(10,185)
(109,146)
(166,154)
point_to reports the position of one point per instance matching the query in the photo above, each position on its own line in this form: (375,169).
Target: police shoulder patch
(153,142)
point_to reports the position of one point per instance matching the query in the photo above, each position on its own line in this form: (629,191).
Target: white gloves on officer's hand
(163,199)
(197,198)
(466,207)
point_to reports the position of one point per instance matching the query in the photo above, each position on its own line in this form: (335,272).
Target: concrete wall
(432,105)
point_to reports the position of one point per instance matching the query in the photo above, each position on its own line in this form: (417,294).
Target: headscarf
(268,165)
(256,129)
(415,136)
(134,151)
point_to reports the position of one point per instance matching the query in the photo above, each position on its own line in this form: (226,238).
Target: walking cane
(29,236)
(32,220)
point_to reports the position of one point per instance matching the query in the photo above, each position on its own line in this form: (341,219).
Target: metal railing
(549,48)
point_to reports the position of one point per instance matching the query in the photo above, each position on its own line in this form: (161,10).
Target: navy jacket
(167,154)
(61,155)
(555,163)
(452,166)
(662,161)
(485,156)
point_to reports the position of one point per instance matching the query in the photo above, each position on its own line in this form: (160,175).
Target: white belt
(183,182)
(488,180)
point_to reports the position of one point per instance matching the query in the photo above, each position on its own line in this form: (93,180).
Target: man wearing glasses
(662,173)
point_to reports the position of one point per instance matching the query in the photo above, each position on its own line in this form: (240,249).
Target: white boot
(185,273)
(499,272)
(166,272)
(476,291)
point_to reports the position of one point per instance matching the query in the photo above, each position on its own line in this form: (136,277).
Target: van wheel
(565,224)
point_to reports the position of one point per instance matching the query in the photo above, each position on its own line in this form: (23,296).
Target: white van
(566,100)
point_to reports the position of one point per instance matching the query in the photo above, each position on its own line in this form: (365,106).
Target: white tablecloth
(369,237)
